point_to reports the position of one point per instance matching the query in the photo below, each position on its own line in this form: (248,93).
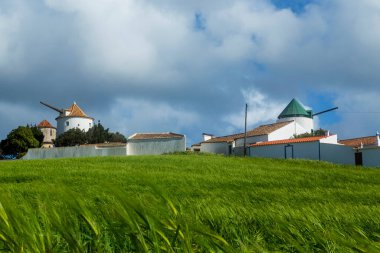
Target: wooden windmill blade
(52,107)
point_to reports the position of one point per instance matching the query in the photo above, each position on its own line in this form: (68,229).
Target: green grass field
(187,203)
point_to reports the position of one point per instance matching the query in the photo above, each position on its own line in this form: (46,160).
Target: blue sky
(297,6)
(190,66)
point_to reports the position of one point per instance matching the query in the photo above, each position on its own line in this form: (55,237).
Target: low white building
(155,143)
(233,144)
(322,148)
(366,150)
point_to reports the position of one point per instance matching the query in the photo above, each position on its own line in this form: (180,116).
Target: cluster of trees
(96,134)
(19,140)
(319,132)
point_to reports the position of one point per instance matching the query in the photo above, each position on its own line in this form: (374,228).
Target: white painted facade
(371,156)
(325,149)
(283,133)
(50,134)
(66,123)
(156,146)
(302,124)
(224,148)
(250,140)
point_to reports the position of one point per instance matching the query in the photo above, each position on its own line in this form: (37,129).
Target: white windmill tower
(73,117)
(303,118)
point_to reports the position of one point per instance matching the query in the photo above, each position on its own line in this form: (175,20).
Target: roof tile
(357,142)
(261,130)
(45,124)
(145,136)
(288,141)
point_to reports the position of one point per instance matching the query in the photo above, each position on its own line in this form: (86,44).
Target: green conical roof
(295,109)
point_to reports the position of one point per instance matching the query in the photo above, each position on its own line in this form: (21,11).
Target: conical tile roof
(45,124)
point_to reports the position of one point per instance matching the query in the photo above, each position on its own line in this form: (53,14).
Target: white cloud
(129,116)
(261,109)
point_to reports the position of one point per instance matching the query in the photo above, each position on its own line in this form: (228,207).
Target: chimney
(328,133)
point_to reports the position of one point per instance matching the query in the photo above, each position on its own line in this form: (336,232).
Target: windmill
(73,117)
(296,112)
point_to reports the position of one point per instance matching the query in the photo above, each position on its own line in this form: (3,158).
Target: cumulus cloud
(155,55)
(261,110)
(138,115)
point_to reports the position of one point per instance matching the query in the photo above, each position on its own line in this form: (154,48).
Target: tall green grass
(187,203)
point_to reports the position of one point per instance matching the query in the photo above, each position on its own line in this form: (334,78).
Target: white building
(366,150)
(155,143)
(296,112)
(49,132)
(322,148)
(73,117)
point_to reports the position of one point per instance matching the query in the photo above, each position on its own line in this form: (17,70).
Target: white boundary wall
(216,147)
(156,146)
(77,151)
(371,157)
(308,150)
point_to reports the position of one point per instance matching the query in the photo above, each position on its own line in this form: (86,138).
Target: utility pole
(245,130)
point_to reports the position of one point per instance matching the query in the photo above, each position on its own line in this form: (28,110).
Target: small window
(51,132)
(67,123)
(78,124)
(89,124)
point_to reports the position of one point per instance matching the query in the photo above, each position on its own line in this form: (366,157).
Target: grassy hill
(186,203)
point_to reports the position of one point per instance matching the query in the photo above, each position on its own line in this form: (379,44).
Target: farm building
(295,119)
(322,148)
(49,133)
(367,150)
(155,143)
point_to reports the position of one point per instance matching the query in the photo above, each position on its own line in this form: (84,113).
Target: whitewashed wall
(50,134)
(77,151)
(285,132)
(337,154)
(216,148)
(74,122)
(371,157)
(156,146)
(250,140)
(303,124)
(309,150)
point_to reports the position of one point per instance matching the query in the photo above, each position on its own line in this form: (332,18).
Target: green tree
(116,137)
(71,137)
(319,132)
(97,134)
(37,134)
(18,141)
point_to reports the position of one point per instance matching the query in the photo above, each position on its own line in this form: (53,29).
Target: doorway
(289,151)
(358,159)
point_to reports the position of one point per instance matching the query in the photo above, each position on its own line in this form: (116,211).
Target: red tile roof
(146,136)
(357,142)
(74,111)
(288,141)
(267,129)
(45,124)
(260,130)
